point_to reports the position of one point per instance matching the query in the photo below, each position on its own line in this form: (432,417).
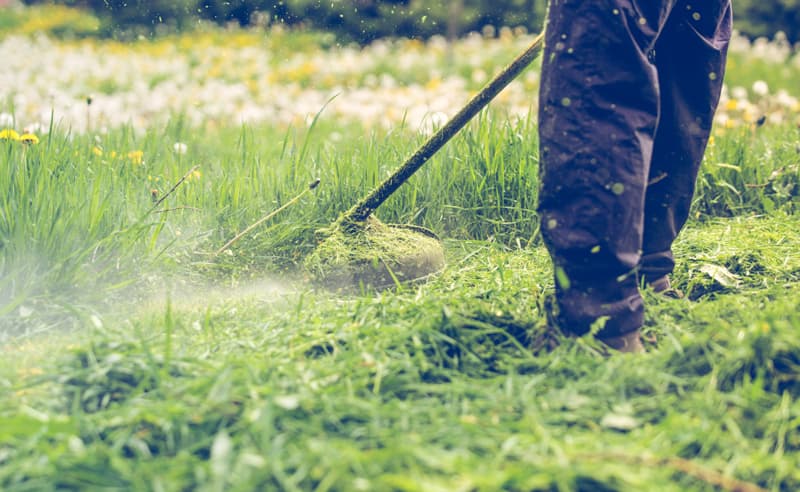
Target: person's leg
(690,58)
(598,109)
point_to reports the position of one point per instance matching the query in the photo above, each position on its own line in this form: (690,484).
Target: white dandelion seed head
(738,92)
(6,119)
(760,88)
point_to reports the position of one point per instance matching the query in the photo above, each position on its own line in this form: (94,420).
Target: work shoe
(628,343)
(662,286)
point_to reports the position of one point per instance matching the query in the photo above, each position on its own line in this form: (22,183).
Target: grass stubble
(134,358)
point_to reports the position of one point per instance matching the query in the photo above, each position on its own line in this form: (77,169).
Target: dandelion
(9,134)
(36,128)
(760,88)
(180,148)
(136,157)
(433,83)
(29,139)
(739,92)
(97,151)
(786,100)
(479,76)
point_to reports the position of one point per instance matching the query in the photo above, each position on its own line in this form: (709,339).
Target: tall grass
(752,170)
(79,220)
(69,221)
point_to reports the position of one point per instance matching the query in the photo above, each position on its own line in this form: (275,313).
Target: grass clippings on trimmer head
(374,254)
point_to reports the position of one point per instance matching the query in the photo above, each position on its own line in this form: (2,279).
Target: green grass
(79,223)
(163,368)
(432,387)
(132,358)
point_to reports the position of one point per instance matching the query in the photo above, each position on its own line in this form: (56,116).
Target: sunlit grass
(98,219)
(424,387)
(132,357)
(163,366)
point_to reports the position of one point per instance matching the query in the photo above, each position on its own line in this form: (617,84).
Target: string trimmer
(358,249)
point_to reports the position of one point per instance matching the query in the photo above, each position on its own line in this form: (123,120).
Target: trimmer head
(374,255)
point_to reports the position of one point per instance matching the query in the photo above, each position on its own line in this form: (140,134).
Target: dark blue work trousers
(628,93)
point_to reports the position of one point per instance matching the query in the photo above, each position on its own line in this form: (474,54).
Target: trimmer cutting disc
(375,255)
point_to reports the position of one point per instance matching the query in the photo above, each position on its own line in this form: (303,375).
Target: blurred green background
(365,20)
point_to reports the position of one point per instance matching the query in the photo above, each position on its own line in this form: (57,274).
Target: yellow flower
(136,156)
(29,138)
(97,151)
(196,174)
(9,134)
(433,83)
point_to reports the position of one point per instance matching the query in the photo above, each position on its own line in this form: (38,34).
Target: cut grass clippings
(374,254)
(428,387)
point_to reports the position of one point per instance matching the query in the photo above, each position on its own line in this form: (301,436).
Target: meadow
(134,358)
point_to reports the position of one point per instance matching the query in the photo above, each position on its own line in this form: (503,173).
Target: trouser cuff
(618,308)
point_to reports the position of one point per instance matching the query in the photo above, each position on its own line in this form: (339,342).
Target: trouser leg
(690,58)
(598,114)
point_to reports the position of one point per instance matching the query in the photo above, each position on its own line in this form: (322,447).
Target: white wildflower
(775,118)
(760,88)
(36,128)
(786,100)
(479,76)
(6,120)
(738,92)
